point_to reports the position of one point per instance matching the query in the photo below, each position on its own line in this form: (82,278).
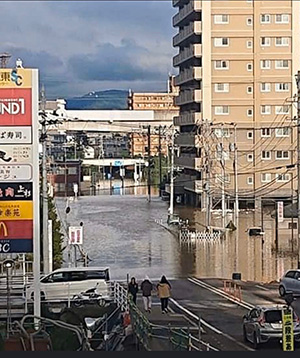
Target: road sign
(15,172)
(15,135)
(287,329)
(280,211)
(75,235)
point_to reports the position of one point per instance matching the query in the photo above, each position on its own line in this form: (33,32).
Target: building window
(221,41)
(282,132)
(282,18)
(249,66)
(292,225)
(282,109)
(265,18)
(249,112)
(281,41)
(221,65)
(282,87)
(249,44)
(221,19)
(222,110)
(219,132)
(265,87)
(282,177)
(250,157)
(250,135)
(266,132)
(250,180)
(265,41)
(249,21)
(249,89)
(265,64)
(266,177)
(265,109)
(266,155)
(222,87)
(282,154)
(281,64)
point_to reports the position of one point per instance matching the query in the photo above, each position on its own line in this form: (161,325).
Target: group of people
(163,291)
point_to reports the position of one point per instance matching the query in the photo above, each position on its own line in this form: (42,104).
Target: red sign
(15,107)
(16,229)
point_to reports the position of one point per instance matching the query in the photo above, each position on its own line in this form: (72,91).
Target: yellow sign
(287,329)
(15,78)
(16,210)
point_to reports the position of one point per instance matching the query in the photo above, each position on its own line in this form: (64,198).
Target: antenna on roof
(4,59)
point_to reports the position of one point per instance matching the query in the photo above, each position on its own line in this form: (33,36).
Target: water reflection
(120,232)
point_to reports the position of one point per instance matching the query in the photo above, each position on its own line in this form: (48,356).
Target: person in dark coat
(164,292)
(133,289)
(146,287)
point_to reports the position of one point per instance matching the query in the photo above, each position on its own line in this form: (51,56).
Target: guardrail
(233,289)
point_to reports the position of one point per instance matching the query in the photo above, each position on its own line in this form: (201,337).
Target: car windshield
(274,316)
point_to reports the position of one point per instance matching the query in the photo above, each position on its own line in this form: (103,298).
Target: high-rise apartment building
(237,63)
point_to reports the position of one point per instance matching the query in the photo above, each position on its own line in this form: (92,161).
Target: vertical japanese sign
(75,235)
(19,162)
(280,211)
(287,329)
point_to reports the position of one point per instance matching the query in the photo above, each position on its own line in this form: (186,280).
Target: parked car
(290,283)
(263,324)
(67,282)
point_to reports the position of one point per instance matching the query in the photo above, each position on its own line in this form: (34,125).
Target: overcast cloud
(84,46)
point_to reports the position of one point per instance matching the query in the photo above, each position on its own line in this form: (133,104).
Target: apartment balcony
(194,27)
(187,119)
(194,185)
(190,74)
(189,96)
(188,161)
(187,140)
(186,11)
(194,50)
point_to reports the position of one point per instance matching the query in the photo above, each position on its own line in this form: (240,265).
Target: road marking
(214,329)
(261,287)
(220,293)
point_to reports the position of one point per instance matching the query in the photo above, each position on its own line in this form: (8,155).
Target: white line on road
(220,293)
(214,329)
(261,287)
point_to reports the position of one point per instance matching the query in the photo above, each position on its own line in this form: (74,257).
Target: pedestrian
(164,292)
(133,289)
(146,287)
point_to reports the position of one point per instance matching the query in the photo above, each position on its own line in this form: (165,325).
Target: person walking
(164,292)
(133,289)
(146,287)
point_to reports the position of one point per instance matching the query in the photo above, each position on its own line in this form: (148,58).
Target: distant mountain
(110,99)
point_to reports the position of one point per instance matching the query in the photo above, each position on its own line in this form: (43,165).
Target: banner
(15,78)
(287,329)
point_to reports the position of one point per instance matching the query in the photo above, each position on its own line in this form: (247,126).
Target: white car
(290,283)
(64,283)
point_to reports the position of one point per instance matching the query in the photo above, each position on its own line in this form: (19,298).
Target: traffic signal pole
(149,169)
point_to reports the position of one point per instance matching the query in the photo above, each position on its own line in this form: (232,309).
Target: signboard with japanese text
(280,211)
(15,78)
(15,154)
(15,191)
(287,329)
(75,235)
(15,172)
(19,162)
(15,135)
(15,107)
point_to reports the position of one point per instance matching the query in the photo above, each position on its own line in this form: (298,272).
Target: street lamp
(8,265)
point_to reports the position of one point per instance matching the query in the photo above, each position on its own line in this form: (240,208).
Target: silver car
(263,324)
(290,283)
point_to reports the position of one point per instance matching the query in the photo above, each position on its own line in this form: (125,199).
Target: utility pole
(298,161)
(207,172)
(159,157)
(223,177)
(46,260)
(235,166)
(149,169)
(171,208)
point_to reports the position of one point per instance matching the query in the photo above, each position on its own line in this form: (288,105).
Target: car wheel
(281,291)
(255,341)
(43,297)
(245,334)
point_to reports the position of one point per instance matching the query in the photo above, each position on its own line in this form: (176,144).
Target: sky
(83,46)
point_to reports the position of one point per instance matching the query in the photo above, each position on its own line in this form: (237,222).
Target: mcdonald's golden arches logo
(4,227)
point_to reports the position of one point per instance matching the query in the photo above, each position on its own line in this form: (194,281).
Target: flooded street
(120,232)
